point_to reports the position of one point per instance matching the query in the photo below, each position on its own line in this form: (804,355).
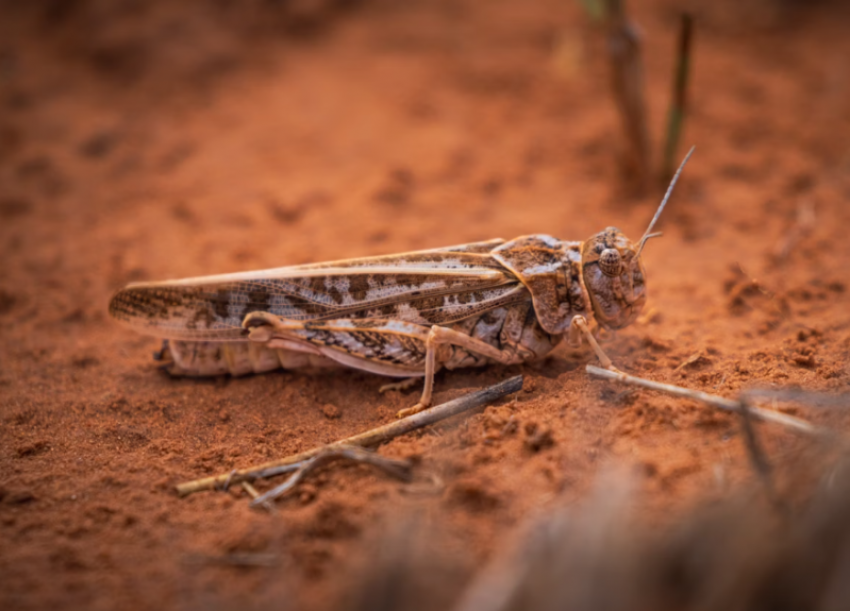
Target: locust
(405,315)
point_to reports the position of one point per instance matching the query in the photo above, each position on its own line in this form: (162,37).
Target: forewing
(423,287)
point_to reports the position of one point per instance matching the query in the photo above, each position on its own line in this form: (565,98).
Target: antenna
(658,212)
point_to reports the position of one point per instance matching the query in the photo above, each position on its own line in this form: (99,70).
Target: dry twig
(397,468)
(758,457)
(254,494)
(374,437)
(798,395)
(728,405)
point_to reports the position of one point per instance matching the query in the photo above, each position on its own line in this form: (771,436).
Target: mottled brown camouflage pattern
(375,313)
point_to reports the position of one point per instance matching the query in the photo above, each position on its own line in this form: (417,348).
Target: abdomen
(201,359)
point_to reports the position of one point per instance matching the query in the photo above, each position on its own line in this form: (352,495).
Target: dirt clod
(331,412)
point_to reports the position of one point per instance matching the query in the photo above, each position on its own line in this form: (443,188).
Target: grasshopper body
(517,298)
(406,315)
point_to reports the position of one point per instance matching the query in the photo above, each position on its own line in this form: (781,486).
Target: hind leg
(438,336)
(387,347)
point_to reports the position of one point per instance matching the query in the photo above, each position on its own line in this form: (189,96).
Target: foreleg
(579,327)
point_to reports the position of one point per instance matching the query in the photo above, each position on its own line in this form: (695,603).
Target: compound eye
(609,262)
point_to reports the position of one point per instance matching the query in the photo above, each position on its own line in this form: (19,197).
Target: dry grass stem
(678,104)
(627,81)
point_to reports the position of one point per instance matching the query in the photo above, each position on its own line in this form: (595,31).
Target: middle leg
(438,336)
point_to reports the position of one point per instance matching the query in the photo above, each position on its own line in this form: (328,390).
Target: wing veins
(319,272)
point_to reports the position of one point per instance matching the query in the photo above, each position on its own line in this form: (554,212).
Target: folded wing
(428,287)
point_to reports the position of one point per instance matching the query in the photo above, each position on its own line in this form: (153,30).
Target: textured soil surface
(145,141)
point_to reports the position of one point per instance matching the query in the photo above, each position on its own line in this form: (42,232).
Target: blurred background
(153,140)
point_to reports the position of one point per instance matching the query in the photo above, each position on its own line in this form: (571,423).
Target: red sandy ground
(144,141)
